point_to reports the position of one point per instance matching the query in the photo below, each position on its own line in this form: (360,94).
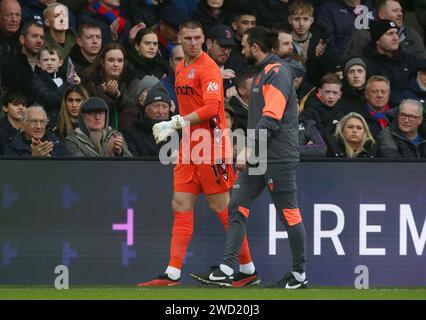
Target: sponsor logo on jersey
(184,90)
(212,86)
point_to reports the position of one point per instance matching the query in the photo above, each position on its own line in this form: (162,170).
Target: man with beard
(156,108)
(272,109)
(200,96)
(17,72)
(93,137)
(219,43)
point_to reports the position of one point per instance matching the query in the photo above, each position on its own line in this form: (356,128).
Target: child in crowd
(49,83)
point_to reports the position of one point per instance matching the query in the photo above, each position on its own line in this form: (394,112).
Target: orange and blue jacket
(273,107)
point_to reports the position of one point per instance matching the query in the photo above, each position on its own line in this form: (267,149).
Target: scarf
(110,15)
(97,138)
(379,116)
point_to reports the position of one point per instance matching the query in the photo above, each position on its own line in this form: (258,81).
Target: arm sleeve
(275,90)
(387,146)
(317,148)
(212,93)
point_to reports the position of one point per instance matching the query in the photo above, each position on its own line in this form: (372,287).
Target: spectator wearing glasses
(219,44)
(403,139)
(93,137)
(34,140)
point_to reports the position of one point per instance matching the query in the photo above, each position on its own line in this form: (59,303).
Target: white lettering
(334,233)
(273,233)
(364,228)
(406,219)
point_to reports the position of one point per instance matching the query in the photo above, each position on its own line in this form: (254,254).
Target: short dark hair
(242,11)
(263,37)
(284,27)
(50,50)
(88,25)
(247,73)
(26,27)
(15,97)
(191,24)
(330,78)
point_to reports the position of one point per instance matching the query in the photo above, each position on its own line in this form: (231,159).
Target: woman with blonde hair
(352,138)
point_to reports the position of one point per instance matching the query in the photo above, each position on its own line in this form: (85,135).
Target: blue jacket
(338,20)
(20,146)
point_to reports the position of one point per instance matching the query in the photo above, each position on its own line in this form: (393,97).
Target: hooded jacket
(273,108)
(79,143)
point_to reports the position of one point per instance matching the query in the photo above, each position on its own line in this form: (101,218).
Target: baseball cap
(222,34)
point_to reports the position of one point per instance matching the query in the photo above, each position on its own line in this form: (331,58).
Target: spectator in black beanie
(156,109)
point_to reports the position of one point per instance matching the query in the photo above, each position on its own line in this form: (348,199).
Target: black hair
(242,11)
(141,33)
(241,77)
(28,25)
(15,97)
(263,37)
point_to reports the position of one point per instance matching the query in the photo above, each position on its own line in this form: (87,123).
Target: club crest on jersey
(212,86)
(191,74)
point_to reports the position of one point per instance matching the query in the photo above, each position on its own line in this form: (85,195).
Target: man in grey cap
(219,43)
(129,116)
(93,137)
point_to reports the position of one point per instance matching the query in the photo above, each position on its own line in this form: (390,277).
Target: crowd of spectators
(90,78)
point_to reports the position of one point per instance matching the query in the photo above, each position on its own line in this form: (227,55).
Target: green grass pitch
(206,293)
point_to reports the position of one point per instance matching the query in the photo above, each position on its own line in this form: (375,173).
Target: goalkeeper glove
(165,129)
